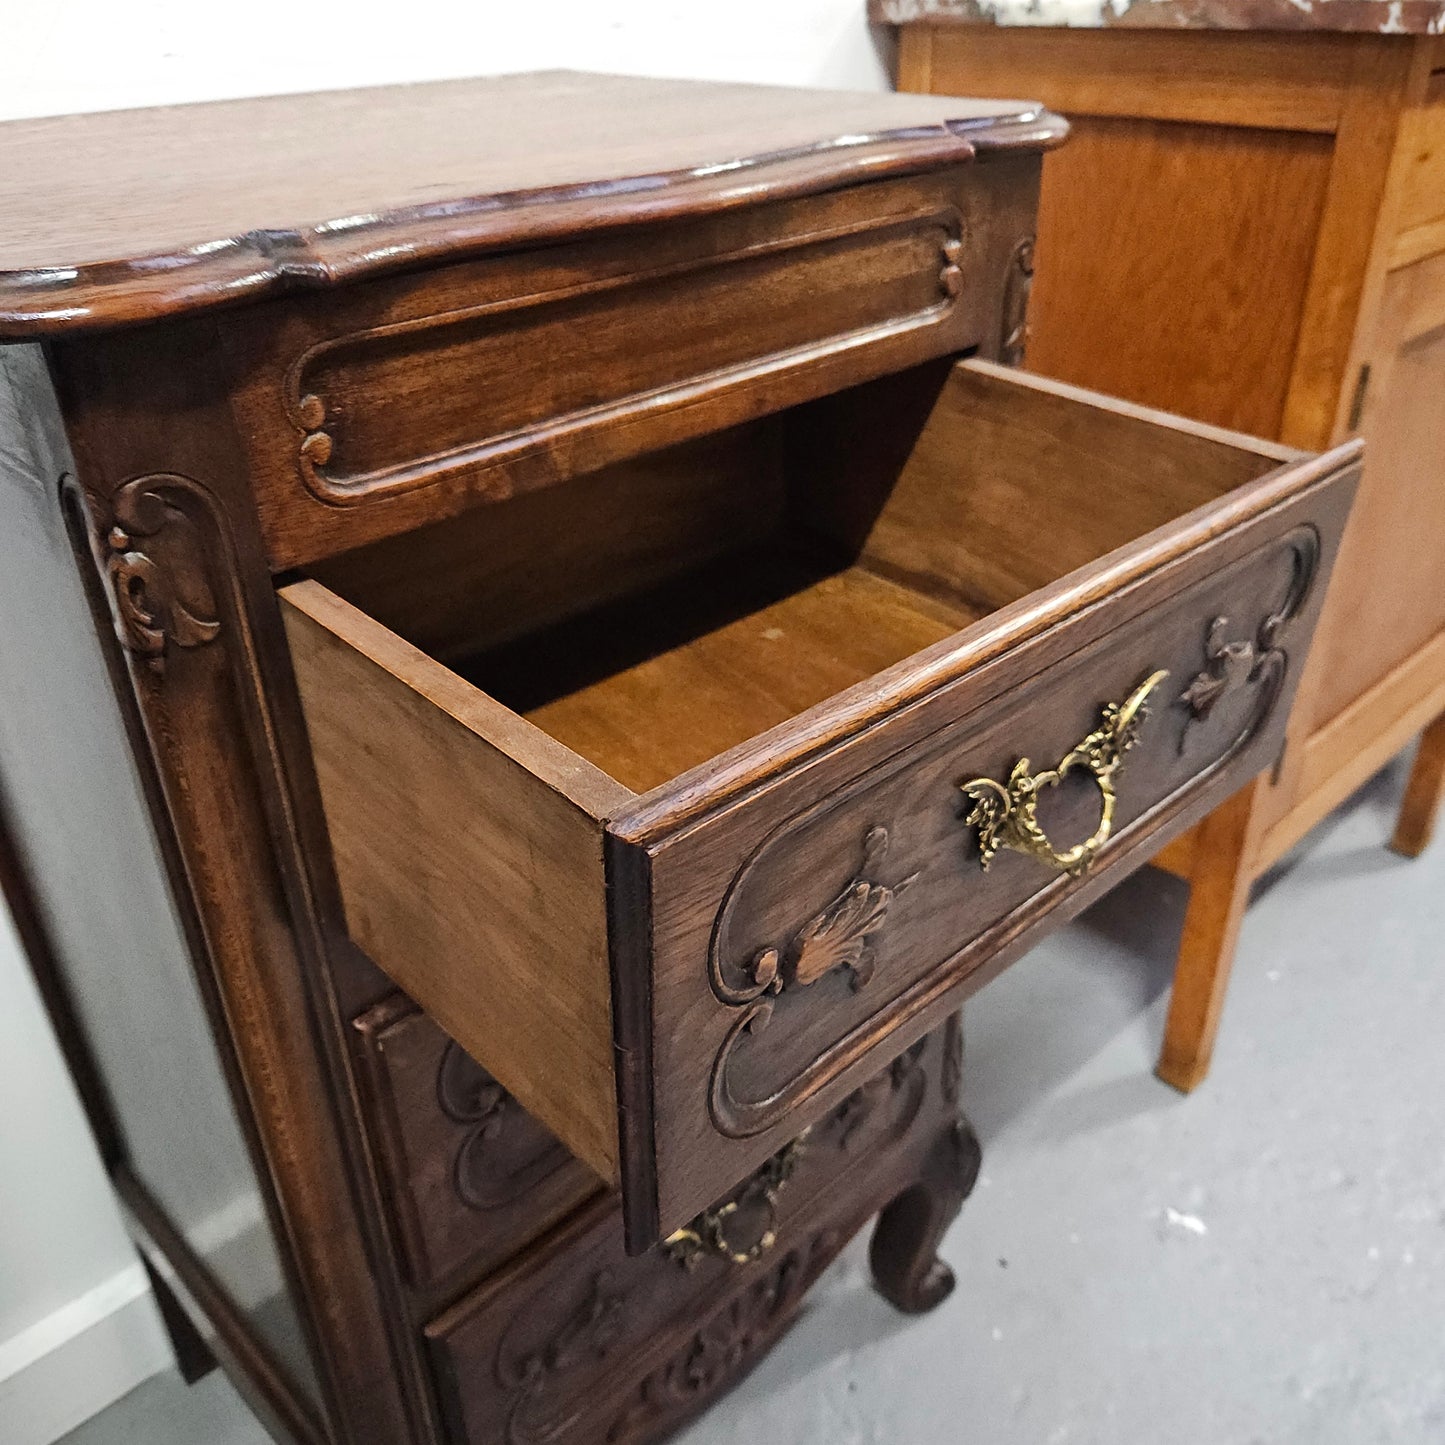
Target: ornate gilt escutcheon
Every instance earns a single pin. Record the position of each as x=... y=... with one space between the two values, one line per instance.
x=1006 y=814
x=711 y=1233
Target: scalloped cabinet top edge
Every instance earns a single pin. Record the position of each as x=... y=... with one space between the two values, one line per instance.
x=124 y=217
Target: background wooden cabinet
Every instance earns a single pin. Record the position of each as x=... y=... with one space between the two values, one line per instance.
x=1249 y=228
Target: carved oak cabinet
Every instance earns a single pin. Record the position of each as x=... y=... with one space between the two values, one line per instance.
x=543 y=656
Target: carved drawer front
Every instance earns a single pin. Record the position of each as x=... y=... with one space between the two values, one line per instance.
x=576 y=1343
x=399 y=402
x=741 y=838
x=471 y=1178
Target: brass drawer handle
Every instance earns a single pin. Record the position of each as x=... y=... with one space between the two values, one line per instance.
x=1006 y=815
x=708 y=1233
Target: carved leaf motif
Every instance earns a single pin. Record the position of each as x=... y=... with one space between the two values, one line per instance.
x=587 y=1333
x=839 y=935
x=1228 y=666
x=151 y=614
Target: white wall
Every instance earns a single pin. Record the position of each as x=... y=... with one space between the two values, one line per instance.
x=70 y=55
x=74 y=1327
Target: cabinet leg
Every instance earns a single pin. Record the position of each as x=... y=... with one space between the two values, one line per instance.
x=1218 y=894
x=904 y=1253
x=1423 y=793
x=193 y=1355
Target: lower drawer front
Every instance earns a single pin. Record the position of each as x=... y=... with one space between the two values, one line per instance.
x=469 y=1176
x=577 y=1343
x=676 y=981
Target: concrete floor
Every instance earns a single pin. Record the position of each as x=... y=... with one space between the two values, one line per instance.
x=1262 y=1262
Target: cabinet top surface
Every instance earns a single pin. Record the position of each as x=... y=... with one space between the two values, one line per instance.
x=128 y=216
x=1387 y=17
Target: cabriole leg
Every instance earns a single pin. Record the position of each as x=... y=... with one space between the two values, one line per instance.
x=904 y=1251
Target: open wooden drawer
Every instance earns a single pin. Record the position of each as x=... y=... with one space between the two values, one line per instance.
x=687 y=794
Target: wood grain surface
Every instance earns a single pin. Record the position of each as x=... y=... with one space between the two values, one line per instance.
x=128 y=215
x=426 y=784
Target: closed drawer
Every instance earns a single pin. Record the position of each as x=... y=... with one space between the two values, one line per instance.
x=576 y=1343
x=684 y=869
x=469 y=1176
x=401 y=401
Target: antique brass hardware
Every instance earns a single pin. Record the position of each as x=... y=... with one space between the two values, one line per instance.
x=1006 y=815
x=708 y=1233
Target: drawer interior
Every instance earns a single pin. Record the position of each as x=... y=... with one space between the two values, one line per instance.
x=651 y=616
x=488 y=697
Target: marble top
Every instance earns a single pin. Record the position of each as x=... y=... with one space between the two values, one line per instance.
x=1386 y=17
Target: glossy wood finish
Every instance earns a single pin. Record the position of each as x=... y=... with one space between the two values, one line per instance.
x=1009 y=490
x=595 y=353
x=1336 y=296
x=256 y=197
x=162 y=451
x=471 y=1178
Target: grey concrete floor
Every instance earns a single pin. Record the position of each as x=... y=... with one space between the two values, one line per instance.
x=1261 y=1262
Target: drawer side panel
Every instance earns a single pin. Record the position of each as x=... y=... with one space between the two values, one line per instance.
x=471 y=879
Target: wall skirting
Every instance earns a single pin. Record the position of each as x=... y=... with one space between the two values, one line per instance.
x=77 y=1360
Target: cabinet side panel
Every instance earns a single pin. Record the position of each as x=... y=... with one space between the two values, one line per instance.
x=1140 y=290
x=75 y=802
x=1388 y=600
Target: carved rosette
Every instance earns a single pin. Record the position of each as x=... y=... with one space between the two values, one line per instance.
x=502 y=1152
x=721 y=1349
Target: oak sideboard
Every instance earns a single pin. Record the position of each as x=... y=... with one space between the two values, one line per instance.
x=1248 y=227
x=545 y=649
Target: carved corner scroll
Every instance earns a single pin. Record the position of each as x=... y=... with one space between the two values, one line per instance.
x=493 y=1166
x=154 y=560
x=950 y=275
x=839 y=938
x=1260 y=663
x=1017 y=288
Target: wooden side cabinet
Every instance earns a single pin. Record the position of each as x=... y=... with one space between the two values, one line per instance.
x=1248 y=226
x=544 y=653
